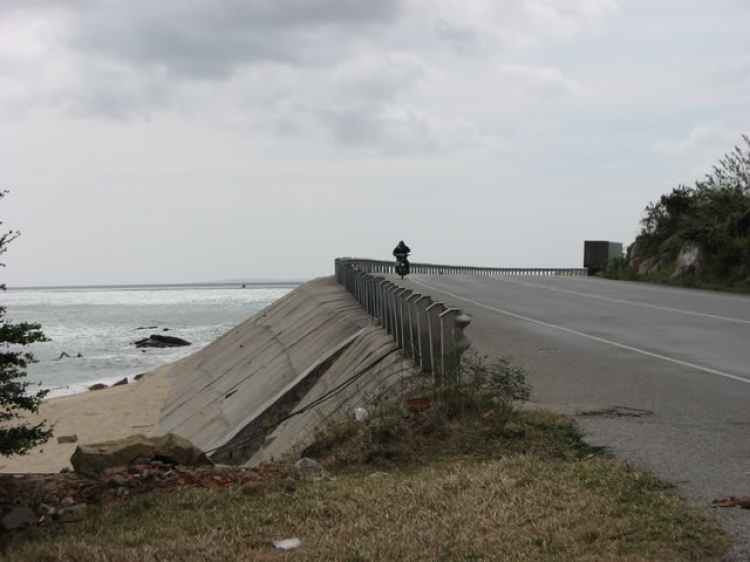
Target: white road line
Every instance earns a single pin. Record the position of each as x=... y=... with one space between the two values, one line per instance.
x=622 y=301
x=589 y=336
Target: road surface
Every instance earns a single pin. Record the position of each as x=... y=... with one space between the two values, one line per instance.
x=658 y=375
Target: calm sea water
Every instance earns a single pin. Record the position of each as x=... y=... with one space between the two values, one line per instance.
x=101 y=324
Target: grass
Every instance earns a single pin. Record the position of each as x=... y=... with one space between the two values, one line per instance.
x=688 y=281
x=462 y=486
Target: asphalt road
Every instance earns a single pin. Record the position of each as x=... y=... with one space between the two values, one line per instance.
x=660 y=376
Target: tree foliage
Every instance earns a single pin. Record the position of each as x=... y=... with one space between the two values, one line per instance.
x=715 y=214
x=15 y=399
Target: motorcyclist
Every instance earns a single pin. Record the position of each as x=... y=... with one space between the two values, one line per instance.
x=401 y=250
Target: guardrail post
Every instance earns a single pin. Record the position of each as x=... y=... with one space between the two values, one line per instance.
x=390 y=308
x=383 y=300
x=406 y=341
x=429 y=332
x=436 y=359
x=414 y=338
x=453 y=340
x=423 y=332
x=398 y=295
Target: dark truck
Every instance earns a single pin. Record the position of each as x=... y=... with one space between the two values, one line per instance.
x=598 y=252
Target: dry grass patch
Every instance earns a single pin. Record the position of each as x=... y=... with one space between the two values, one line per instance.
x=517 y=508
x=463 y=486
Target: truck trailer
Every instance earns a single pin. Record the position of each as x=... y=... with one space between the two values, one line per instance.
x=598 y=252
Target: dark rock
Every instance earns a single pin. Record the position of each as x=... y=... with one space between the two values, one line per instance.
x=121 y=382
x=62 y=355
x=147 y=328
x=67 y=438
x=18 y=518
x=98 y=386
x=139 y=376
x=170 y=448
x=157 y=340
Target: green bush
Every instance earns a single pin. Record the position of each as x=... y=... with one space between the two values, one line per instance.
x=17 y=437
x=475 y=405
x=715 y=214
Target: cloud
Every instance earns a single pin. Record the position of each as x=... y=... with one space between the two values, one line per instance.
x=363 y=75
x=490 y=26
x=541 y=83
x=709 y=138
x=693 y=155
x=202 y=39
x=32 y=72
x=401 y=130
x=117 y=59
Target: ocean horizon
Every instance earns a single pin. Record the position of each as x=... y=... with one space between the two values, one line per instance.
x=92 y=328
x=231 y=283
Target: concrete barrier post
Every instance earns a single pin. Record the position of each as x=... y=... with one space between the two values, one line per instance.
x=362 y=290
x=436 y=360
x=453 y=340
x=376 y=288
x=382 y=294
x=416 y=352
x=390 y=308
x=394 y=311
x=366 y=293
x=399 y=316
x=406 y=341
x=371 y=296
x=423 y=331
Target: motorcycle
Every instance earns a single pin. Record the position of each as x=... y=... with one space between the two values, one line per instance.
x=402 y=265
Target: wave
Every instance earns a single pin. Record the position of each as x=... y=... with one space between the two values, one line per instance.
x=79 y=387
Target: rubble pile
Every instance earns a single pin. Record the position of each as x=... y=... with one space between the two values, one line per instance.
x=28 y=499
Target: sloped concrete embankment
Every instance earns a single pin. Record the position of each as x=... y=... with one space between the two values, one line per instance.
x=311 y=355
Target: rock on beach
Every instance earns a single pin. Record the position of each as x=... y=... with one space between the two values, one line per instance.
x=158 y=340
x=170 y=448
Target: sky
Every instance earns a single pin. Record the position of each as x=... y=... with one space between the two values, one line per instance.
x=211 y=140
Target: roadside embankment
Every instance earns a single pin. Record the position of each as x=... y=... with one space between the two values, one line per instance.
x=311 y=354
x=315 y=352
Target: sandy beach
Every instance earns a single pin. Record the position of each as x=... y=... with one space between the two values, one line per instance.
x=94 y=416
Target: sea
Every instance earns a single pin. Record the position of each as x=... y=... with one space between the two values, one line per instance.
x=93 y=329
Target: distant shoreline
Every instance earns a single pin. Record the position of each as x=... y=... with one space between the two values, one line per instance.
x=253 y=284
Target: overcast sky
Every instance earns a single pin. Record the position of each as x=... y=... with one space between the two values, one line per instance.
x=203 y=140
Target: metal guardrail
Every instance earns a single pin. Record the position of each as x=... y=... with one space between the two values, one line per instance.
x=377 y=266
x=430 y=332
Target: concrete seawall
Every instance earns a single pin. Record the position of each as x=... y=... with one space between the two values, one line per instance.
x=311 y=355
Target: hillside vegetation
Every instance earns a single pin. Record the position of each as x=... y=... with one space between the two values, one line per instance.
x=699 y=235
